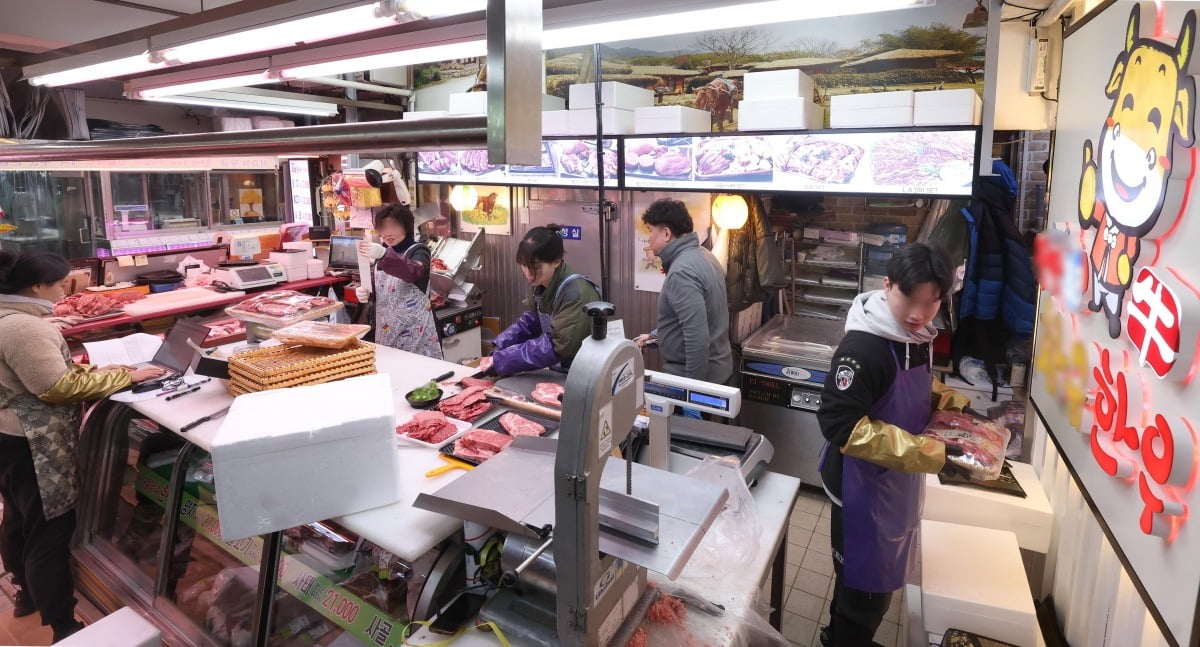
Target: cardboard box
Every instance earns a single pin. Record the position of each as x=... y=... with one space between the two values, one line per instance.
x=616 y=122
x=780 y=114
x=288 y=457
x=122 y=628
x=612 y=95
x=556 y=122
x=671 y=120
x=468 y=103
x=973 y=579
x=947 y=108
x=779 y=84
x=1031 y=519
x=872 y=110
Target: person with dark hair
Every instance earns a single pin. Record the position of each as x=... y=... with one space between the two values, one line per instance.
x=549 y=334
x=40 y=392
x=875 y=405
x=403 y=314
x=693 y=306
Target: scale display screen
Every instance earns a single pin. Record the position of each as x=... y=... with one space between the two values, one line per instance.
x=710 y=401
x=672 y=392
x=254 y=274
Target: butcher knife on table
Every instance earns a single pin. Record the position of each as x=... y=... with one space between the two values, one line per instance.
x=516 y=401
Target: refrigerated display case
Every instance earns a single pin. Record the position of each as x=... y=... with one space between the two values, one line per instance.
x=49 y=210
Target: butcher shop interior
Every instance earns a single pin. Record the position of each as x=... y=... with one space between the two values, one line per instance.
x=754 y=323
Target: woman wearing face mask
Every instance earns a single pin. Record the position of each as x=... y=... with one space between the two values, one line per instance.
x=403 y=315
x=40 y=392
x=549 y=334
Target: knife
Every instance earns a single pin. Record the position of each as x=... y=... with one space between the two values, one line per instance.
x=199 y=421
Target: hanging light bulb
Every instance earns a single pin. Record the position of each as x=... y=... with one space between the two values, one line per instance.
x=463 y=198
x=730 y=211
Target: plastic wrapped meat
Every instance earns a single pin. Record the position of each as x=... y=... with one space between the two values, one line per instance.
x=983 y=442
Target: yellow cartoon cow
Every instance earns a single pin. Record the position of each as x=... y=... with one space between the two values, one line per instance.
x=1124 y=182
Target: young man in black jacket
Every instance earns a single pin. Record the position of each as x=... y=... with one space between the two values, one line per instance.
x=876 y=402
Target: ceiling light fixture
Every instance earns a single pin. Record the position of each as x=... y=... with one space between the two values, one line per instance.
x=251 y=103
x=417 y=56
x=120 y=60
x=240 y=81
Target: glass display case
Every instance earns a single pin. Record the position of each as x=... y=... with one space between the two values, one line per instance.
x=45 y=211
x=137 y=204
x=245 y=198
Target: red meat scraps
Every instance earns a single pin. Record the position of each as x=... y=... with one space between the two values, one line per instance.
x=638 y=639
x=667 y=610
x=520 y=426
x=428 y=427
x=91 y=304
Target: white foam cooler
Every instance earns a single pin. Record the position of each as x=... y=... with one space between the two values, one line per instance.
x=122 y=628
x=780 y=114
x=556 y=122
x=418 y=115
x=973 y=579
x=582 y=96
x=947 y=108
x=670 y=120
x=468 y=103
x=616 y=122
x=294 y=456
x=779 y=84
x=872 y=110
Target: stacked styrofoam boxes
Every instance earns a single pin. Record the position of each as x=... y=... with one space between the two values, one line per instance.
x=780 y=100
x=267 y=123
x=619 y=100
x=1031 y=518
x=231 y=124
x=873 y=110
x=659 y=120
x=947 y=108
x=475 y=103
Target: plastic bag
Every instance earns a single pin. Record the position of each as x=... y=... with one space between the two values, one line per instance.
x=731 y=544
x=983 y=442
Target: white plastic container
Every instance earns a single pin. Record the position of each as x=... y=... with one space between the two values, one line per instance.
x=612 y=95
x=556 y=122
x=326 y=562
x=316 y=268
x=468 y=103
x=418 y=115
x=779 y=84
x=670 y=120
x=873 y=110
x=780 y=114
x=616 y=122
x=947 y=108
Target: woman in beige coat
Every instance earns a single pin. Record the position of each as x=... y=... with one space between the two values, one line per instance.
x=40 y=392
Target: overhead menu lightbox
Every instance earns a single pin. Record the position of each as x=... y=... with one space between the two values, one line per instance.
x=565 y=162
x=927 y=162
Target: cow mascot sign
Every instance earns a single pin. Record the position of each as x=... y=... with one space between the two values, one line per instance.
x=1126 y=174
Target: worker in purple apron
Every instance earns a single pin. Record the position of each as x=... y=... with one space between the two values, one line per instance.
x=876 y=403
x=550 y=332
x=403 y=315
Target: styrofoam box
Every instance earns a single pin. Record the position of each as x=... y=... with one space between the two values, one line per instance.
x=468 y=103
x=612 y=94
x=1031 y=519
x=780 y=114
x=231 y=124
x=418 y=115
x=671 y=119
x=616 y=122
x=973 y=579
x=556 y=122
x=947 y=108
x=981 y=395
x=265 y=123
x=551 y=102
x=288 y=457
x=899 y=98
x=895 y=116
x=122 y=628
x=779 y=84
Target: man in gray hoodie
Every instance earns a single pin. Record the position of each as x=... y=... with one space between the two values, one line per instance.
x=693 y=308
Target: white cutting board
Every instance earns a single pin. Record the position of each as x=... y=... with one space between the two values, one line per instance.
x=183 y=298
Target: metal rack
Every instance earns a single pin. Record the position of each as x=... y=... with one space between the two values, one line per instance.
x=823 y=284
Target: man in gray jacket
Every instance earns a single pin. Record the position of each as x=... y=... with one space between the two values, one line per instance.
x=693 y=309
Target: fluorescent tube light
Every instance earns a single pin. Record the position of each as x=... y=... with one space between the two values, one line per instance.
x=106 y=70
x=239 y=81
x=442 y=8
x=433 y=54
x=251 y=103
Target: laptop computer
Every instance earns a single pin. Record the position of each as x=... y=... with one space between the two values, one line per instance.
x=177 y=354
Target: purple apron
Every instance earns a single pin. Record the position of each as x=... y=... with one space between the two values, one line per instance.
x=881 y=508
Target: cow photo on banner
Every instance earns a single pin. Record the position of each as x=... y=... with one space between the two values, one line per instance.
x=1119 y=315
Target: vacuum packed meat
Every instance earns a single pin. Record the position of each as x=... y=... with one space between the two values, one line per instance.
x=282 y=303
x=520 y=426
x=547 y=393
x=468 y=405
x=428 y=427
x=480 y=444
x=983 y=442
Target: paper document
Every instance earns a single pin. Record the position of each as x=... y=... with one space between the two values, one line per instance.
x=132 y=350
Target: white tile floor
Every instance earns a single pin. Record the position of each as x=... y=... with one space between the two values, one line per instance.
x=808 y=579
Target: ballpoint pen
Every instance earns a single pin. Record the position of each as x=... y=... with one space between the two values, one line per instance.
x=180 y=394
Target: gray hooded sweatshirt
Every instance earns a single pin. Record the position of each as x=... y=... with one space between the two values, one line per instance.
x=870 y=314
x=693 y=313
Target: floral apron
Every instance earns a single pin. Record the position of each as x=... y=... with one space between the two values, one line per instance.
x=404 y=318
x=51 y=430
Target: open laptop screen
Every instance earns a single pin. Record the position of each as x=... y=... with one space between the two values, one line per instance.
x=175 y=353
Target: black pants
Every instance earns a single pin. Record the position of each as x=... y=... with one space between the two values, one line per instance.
x=36 y=550
x=854 y=615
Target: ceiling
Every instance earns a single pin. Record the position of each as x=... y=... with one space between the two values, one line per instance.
x=25 y=27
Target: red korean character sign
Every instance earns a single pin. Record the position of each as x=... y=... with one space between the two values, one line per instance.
x=1161 y=324
x=1168 y=457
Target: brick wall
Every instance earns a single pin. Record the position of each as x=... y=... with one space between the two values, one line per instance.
x=855 y=214
x=1031 y=178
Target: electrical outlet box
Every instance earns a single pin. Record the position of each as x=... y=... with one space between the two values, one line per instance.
x=1035 y=75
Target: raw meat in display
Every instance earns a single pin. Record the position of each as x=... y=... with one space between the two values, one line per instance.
x=921 y=159
x=481 y=444
x=428 y=427
x=547 y=393
x=91 y=304
x=282 y=303
x=519 y=426
x=982 y=442
x=821 y=159
x=438 y=162
x=468 y=405
x=474 y=381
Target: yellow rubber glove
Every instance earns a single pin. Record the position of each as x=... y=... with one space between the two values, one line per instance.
x=894 y=448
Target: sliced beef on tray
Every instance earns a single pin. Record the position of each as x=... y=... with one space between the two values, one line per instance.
x=520 y=426
x=474 y=381
x=468 y=405
x=428 y=427
x=481 y=444
x=547 y=393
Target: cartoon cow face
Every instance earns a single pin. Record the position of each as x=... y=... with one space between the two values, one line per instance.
x=1151 y=112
